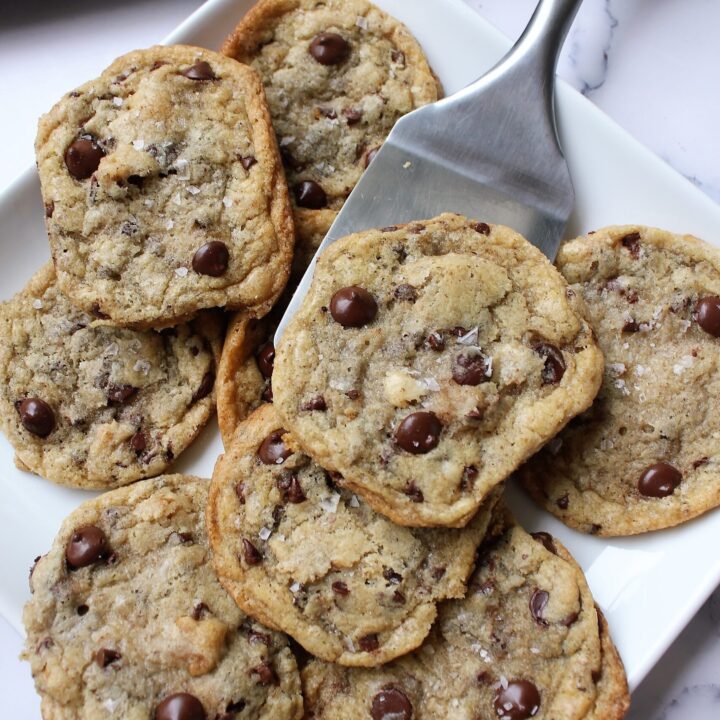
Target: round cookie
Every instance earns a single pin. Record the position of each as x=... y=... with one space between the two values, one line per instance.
x=429 y=360
x=646 y=455
x=337 y=74
x=164 y=191
x=526 y=642
x=126 y=613
x=93 y=406
x=313 y=560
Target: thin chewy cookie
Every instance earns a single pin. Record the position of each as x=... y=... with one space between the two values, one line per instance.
x=337 y=74
x=89 y=405
x=164 y=191
x=526 y=642
x=647 y=453
x=429 y=360
x=127 y=619
x=311 y=559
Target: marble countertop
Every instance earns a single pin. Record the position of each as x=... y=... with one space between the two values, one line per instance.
x=651 y=66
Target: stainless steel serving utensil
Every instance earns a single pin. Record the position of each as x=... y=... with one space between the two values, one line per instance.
x=490 y=152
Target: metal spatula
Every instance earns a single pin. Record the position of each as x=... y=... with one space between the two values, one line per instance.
x=490 y=152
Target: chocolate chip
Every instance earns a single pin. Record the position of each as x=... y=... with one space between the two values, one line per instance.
x=630 y=326
x=352 y=115
x=87 y=545
x=329 y=48
x=248 y=161
x=119 y=393
x=631 y=242
x=391 y=704
x=406 y=293
x=211 y=259
x=563 y=502
x=398 y=597
x=201 y=70
x=470 y=472
x=340 y=588
x=398 y=56
x=659 y=480
x=199 y=610
x=419 y=432
x=105 y=656
x=309 y=194
x=138 y=442
x=83 y=157
x=267 y=394
x=49 y=209
x=546 y=540
x=414 y=492
x=482 y=228
x=538 y=601
x=700 y=462
x=236 y=706
x=352 y=394
x=369 y=643
x=180 y=706
x=205 y=387
x=519 y=700
x=251 y=553
x=82 y=610
x=707 y=314
x=438 y=572
x=370 y=155
x=272 y=450
x=315 y=403
x=266 y=674
x=240 y=492
x=554 y=368
x=436 y=341
x=36 y=416
x=471 y=369
x=265 y=359
x=353 y=306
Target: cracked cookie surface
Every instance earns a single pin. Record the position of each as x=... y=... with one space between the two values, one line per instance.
x=428 y=361
x=526 y=641
x=312 y=559
x=89 y=405
x=126 y=612
x=646 y=455
x=164 y=191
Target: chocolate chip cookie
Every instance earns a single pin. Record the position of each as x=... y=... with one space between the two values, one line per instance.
x=526 y=642
x=308 y=557
x=337 y=74
x=127 y=618
x=429 y=360
x=646 y=455
x=89 y=405
x=164 y=191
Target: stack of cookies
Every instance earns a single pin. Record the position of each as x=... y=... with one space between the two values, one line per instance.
x=352 y=556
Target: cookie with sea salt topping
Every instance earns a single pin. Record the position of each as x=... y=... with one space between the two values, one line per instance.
x=89 y=405
x=338 y=74
x=646 y=455
x=164 y=191
x=526 y=642
x=428 y=361
x=310 y=558
x=127 y=619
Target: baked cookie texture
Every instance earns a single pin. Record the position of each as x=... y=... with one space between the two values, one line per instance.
x=337 y=74
x=126 y=611
x=307 y=557
x=645 y=455
x=526 y=641
x=164 y=191
x=93 y=406
x=429 y=360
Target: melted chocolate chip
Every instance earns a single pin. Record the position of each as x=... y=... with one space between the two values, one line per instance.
x=240 y=492
x=49 y=209
x=205 y=387
x=419 y=432
x=199 y=611
x=414 y=492
x=471 y=369
x=180 y=706
x=83 y=157
x=353 y=306
x=352 y=394
x=340 y=588
x=295 y=492
x=265 y=359
x=391 y=704
x=547 y=541
x=554 y=368
x=482 y=228
x=211 y=259
x=138 y=442
x=370 y=155
x=570 y=619
x=369 y=643
x=314 y=403
x=201 y=70
x=352 y=115
x=272 y=450
x=119 y=393
x=309 y=194
x=630 y=326
x=398 y=56
x=406 y=293
x=251 y=553
x=82 y=610
x=36 y=416
x=436 y=341
x=659 y=480
x=329 y=48
x=87 y=545
x=707 y=314
x=519 y=700
x=470 y=472
x=538 y=601
x=394 y=578
x=105 y=656
x=563 y=502
x=631 y=242
x=398 y=597
x=265 y=673
x=248 y=161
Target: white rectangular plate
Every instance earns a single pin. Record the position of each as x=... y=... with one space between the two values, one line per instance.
x=648 y=586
